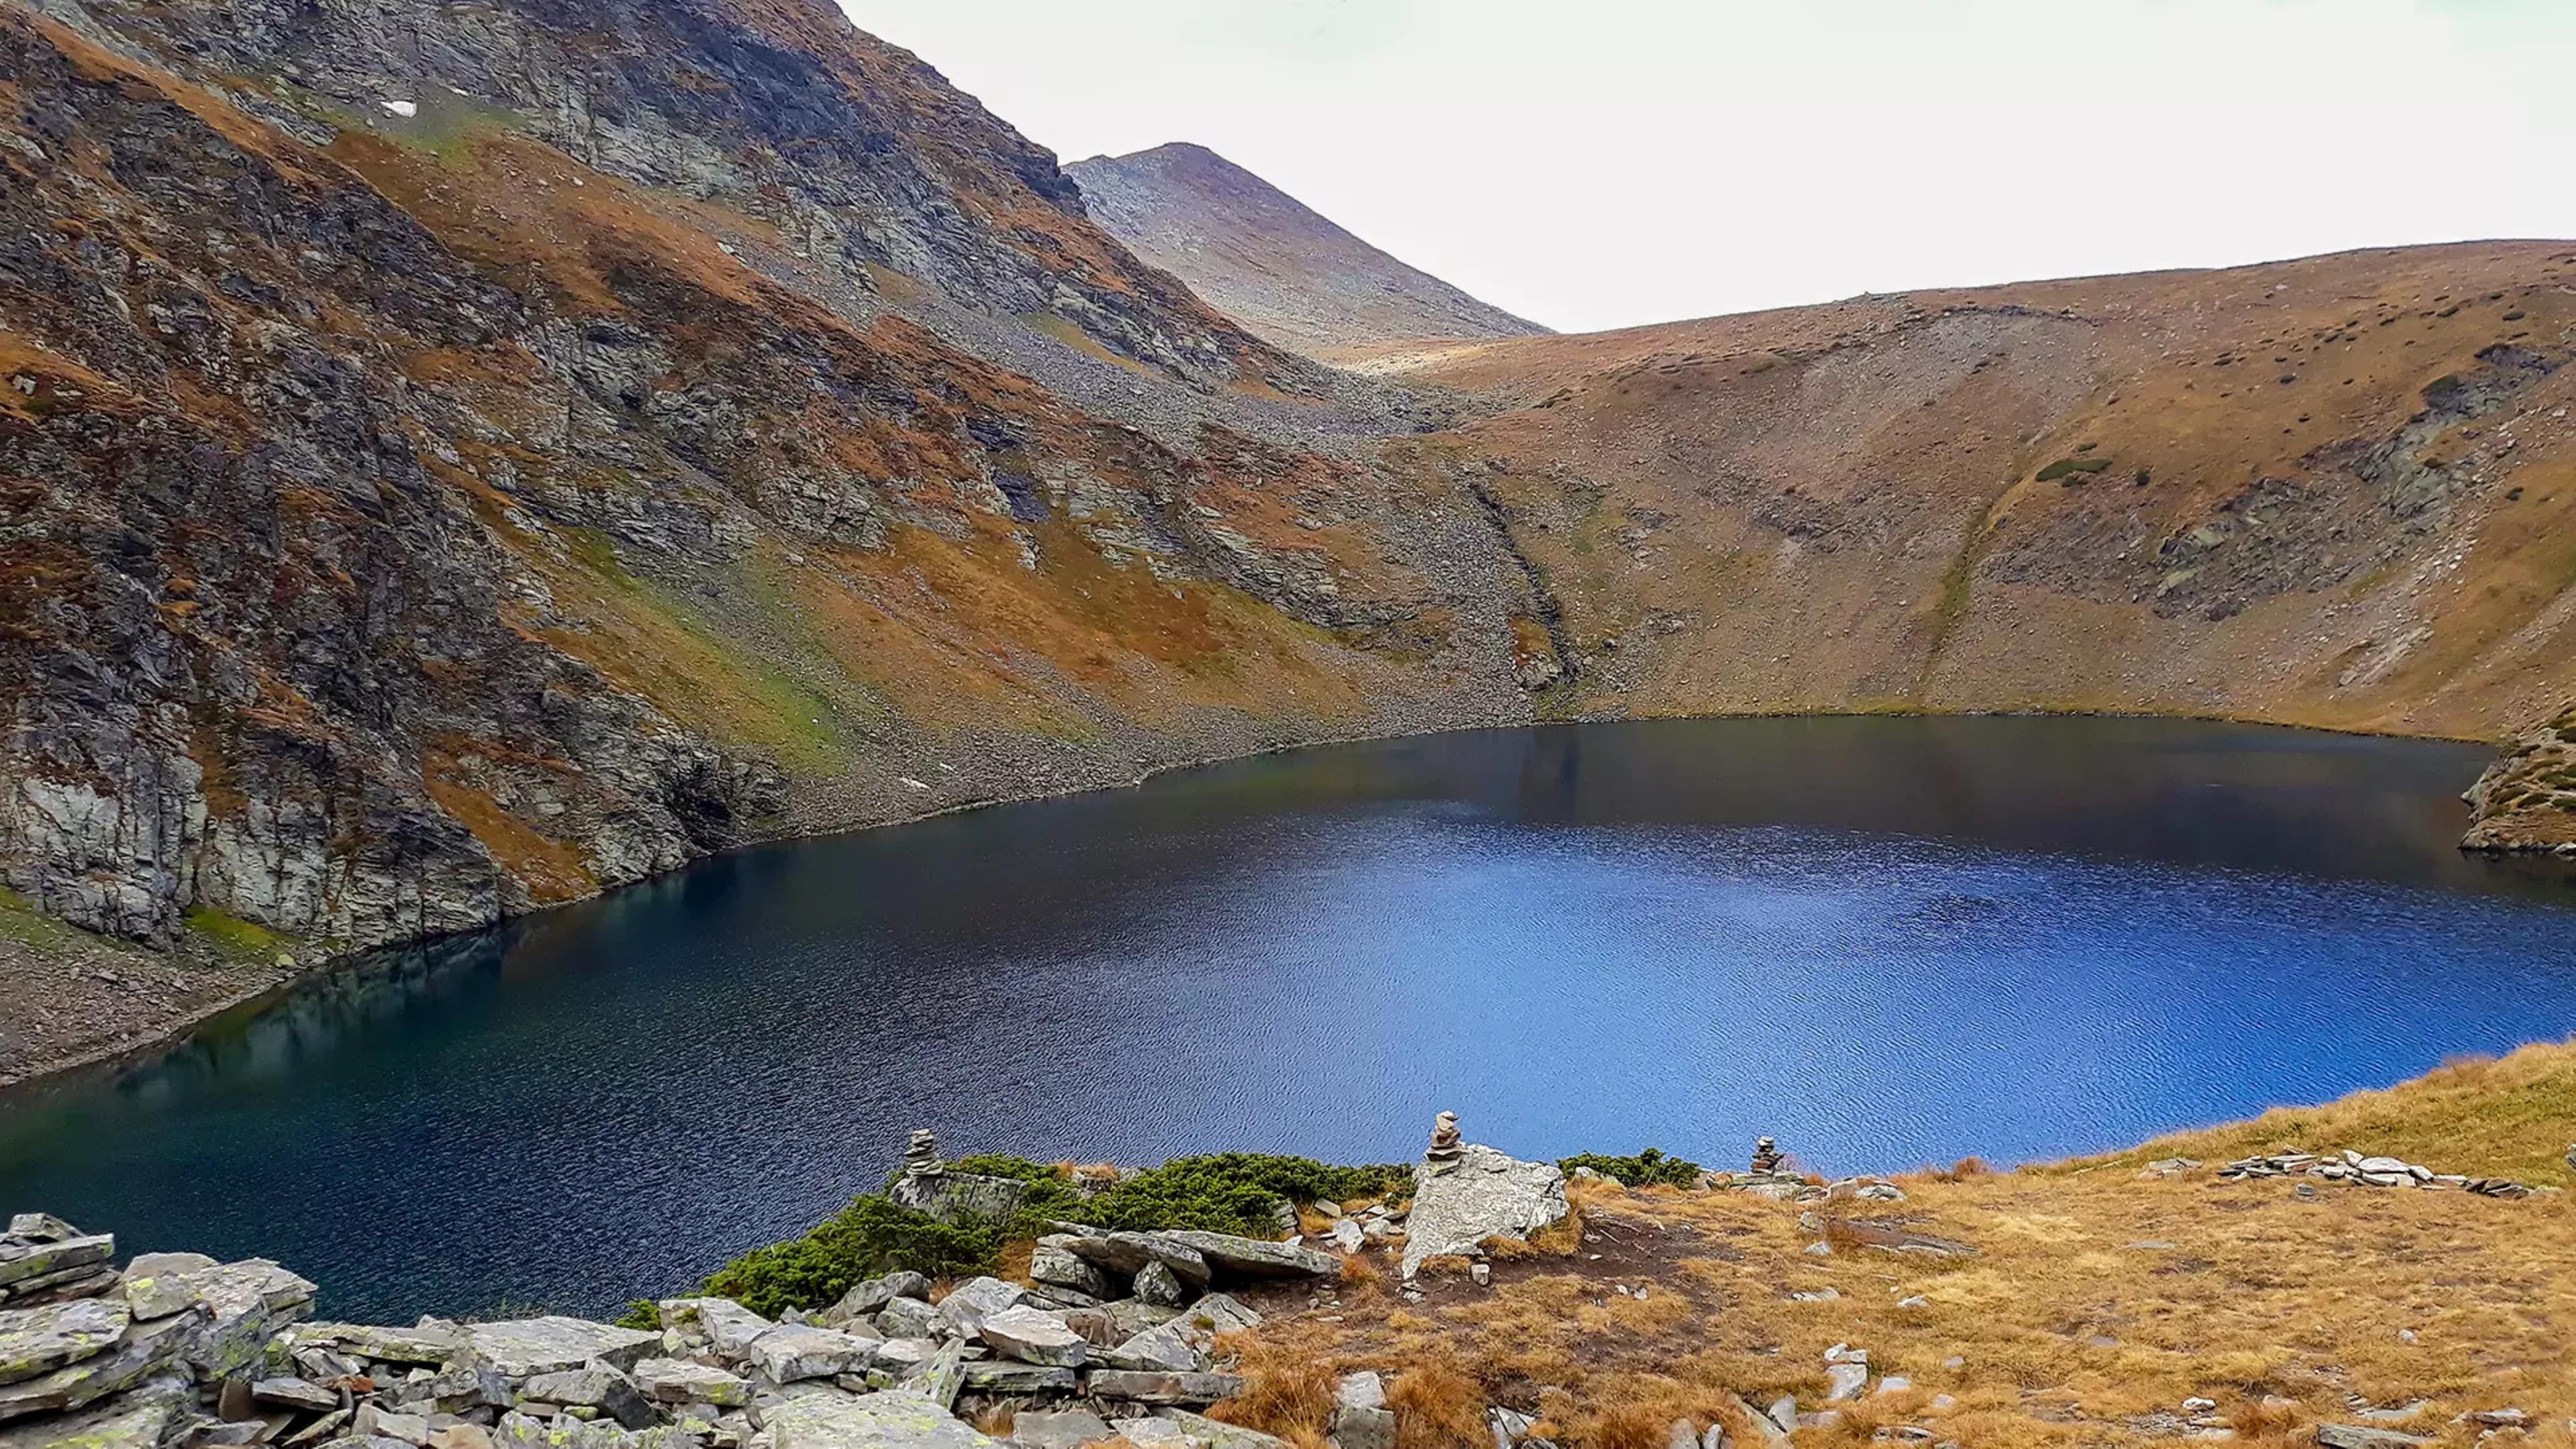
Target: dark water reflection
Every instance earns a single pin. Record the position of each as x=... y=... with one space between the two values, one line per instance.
x=1888 y=941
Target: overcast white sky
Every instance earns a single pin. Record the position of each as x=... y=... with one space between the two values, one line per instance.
x=1625 y=161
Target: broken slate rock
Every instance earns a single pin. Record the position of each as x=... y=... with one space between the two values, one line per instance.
x=35 y=1341
x=1063 y=1429
x=969 y=1302
x=679 y=1381
x=727 y=1326
x=888 y=1419
x=524 y=1346
x=1032 y=1335
x=792 y=1352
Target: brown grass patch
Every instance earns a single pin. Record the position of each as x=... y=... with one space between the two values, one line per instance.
x=1437 y=1407
x=1284 y=1393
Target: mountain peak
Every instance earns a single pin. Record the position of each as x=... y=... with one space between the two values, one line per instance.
x=1286 y=272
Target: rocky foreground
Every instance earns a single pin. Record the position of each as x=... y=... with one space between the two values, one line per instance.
x=1148 y=1338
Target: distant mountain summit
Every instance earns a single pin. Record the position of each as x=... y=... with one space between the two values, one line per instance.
x=1271 y=262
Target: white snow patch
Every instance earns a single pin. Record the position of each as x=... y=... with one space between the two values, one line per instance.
x=404 y=109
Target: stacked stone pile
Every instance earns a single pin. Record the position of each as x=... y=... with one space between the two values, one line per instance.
x=2353 y=1168
x=177 y=1351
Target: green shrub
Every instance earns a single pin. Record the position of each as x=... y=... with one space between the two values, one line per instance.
x=1228 y=1192
x=1650 y=1168
x=872 y=1235
x=2066 y=466
x=641 y=1313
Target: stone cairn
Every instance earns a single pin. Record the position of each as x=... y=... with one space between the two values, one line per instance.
x=1445 y=1148
x=921 y=1155
x=1766 y=1156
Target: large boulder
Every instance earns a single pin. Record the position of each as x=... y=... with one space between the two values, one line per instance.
x=888 y=1419
x=681 y=1381
x=1230 y=1257
x=524 y=1346
x=971 y=1302
x=960 y=1197
x=597 y=1387
x=1063 y=1429
x=1148 y=1386
x=1032 y=1335
x=1054 y=1264
x=866 y=1298
x=429 y=1343
x=1485 y=1194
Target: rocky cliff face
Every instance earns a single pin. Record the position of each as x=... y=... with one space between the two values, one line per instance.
x=411 y=520
x=2526 y=801
x=1271 y=262
x=460 y=458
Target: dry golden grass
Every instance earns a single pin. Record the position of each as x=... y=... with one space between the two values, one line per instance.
x=2096 y=1304
x=1437 y=1407
x=1285 y=1394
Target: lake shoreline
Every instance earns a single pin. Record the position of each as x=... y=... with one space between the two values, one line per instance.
x=146 y=1037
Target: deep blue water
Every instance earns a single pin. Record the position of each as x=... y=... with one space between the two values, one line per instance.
x=1885 y=941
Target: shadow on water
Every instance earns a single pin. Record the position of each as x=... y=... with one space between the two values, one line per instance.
x=1889 y=941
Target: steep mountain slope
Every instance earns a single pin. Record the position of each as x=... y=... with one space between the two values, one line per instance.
x=1265 y=259
x=2339 y=492
x=455 y=459
x=409 y=522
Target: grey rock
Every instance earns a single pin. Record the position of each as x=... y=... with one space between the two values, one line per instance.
x=36 y=1341
x=246 y=1303
x=1124 y=1255
x=1062 y=1268
x=1144 y=1386
x=679 y=1381
x=1131 y=1316
x=2366 y=1436
x=1844 y=1381
x=146 y=1351
x=455 y=1390
x=137 y=1420
x=909 y=1318
x=46 y=1228
x=1369 y=1426
x=598 y=1387
x=1157 y=1284
x=1169 y=1346
x=156 y=1284
x=24 y=1261
x=525 y=1346
x=868 y=1297
x=727 y=1326
x=374 y=1421
x=1219 y=1435
x=969 y=1302
x=960 y=1197
x=1061 y=1429
x=994 y=1376
x=425 y=1344
x=791 y=1352
x=1484 y=1194
x=1152 y=1433
x=295 y=1393
x=1032 y=1335
x=1681 y=1434
x=887 y=1419
x=1231 y=1257
x=939 y=1376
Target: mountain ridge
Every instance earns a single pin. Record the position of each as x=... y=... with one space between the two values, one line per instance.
x=1271 y=262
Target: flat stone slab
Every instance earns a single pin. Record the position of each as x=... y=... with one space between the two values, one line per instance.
x=678 y=1381
x=1204 y=1430
x=129 y=1421
x=426 y=1344
x=1063 y=1429
x=1149 y=1387
x=791 y=1352
x=1033 y=1335
x=1486 y=1194
x=2365 y=1436
x=35 y=1341
x=887 y=1419
x=1229 y=1256
x=525 y=1346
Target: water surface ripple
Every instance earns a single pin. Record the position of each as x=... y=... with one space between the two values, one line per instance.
x=1886 y=941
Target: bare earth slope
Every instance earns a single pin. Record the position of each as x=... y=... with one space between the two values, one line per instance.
x=1264 y=258
x=2336 y=492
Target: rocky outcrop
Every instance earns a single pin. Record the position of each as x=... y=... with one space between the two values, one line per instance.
x=1475 y=1195
x=453 y=466
x=2526 y=800
x=180 y=1351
